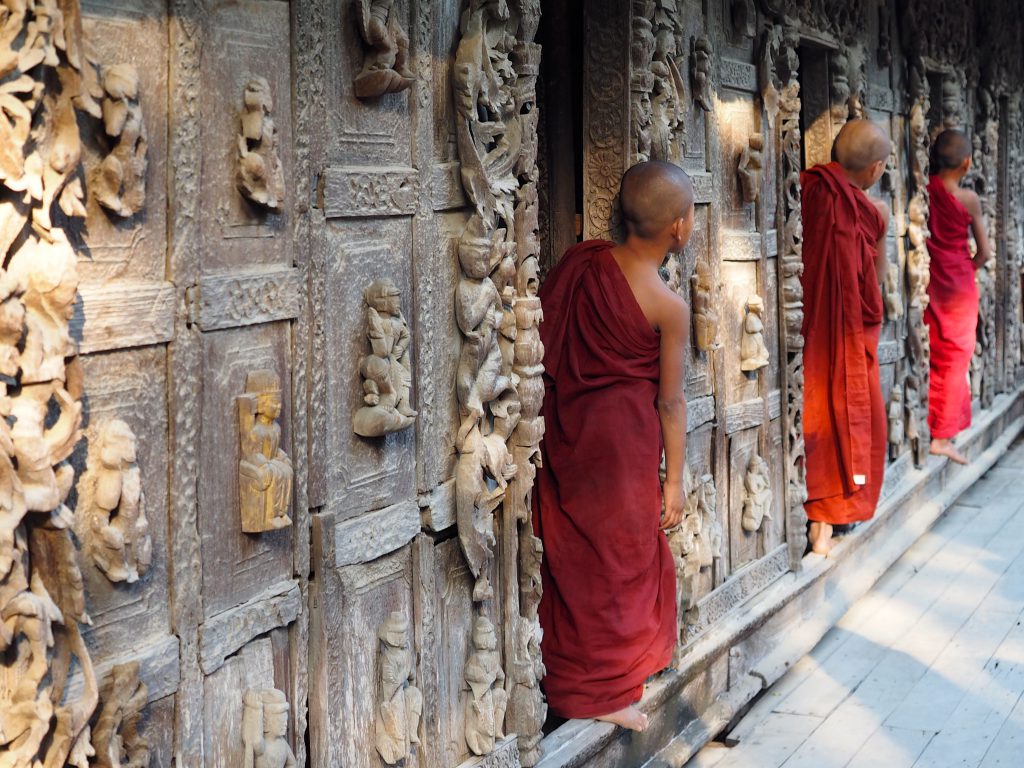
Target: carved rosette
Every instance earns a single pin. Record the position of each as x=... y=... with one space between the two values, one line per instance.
x=42 y=600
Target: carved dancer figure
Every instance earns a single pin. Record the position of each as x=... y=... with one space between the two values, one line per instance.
x=844 y=412
x=116 y=739
x=264 y=470
x=753 y=351
x=892 y=296
x=486 y=699
x=705 y=316
x=953 y=301
x=386 y=63
x=399 y=702
x=751 y=168
x=757 y=495
x=111 y=519
x=387 y=370
x=896 y=423
x=608 y=572
x=265 y=730
x=259 y=177
x=121 y=179
x=701 y=54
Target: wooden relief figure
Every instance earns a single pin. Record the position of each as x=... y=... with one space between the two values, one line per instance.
x=264 y=470
x=486 y=698
x=751 y=168
x=912 y=408
x=744 y=18
x=265 y=730
x=984 y=378
x=386 y=62
x=701 y=54
x=892 y=294
x=111 y=516
x=259 y=176
x=116 y=738
x=120 y=184
x=705 y=317
x=757 y=495
x=666 y=97
x=839 y=88
x=696 y=543
x=399 y=701
x=386 y=371
x=896 y=423
x=753 y=352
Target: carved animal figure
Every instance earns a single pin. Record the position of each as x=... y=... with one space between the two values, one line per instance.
x=757 y=497
x=120 y=184
x=399 y=702
x=259 y=176
x=386 y=63
x=753 y=352
x=264 y=470
x=264 y=730
x=486 y=699
x=111 y=519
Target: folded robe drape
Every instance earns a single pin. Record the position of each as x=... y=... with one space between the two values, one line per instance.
x=844 y=415
x=609 y=606
x=952 y=313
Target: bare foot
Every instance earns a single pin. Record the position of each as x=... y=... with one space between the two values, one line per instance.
x=628 y=717
x=944 y=447
x=820 y=537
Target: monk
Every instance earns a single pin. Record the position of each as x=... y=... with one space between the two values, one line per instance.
x=615 y=338
x=952 y=314
x=844 y=264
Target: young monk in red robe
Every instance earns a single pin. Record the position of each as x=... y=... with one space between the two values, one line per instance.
x=844 y=263
x=615 y=339
x=952 y=313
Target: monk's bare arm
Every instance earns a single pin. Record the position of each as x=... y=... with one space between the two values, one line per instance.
x=881 y=257
x=972 y=203
x=674 y=322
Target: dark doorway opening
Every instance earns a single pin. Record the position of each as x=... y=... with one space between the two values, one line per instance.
x=815 y=119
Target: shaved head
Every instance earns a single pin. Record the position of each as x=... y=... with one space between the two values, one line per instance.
x=860 y=144
x=950 y=149
x=653 y=195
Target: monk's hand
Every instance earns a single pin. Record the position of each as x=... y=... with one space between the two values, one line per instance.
x=672 y=493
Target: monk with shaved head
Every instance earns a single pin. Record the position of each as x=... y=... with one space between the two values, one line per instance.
x=952 y=314
x=844 y=263
x=615 y=339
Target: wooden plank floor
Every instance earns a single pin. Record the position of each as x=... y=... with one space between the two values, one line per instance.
x=926 y=671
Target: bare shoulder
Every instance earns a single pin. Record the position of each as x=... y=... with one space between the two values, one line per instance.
x=673 y=311
x=969 y=199
x=881 y=206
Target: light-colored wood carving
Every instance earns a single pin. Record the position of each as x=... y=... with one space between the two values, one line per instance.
x=757 y=495
x=486 y=698
x=386 y=60
x=897 y=431
x=705 y=316
x=110 y=518
x=116 y=736
x=751 y=168
x=701 y=54
x=120 y=183
x=892 y=295
x=387 y=370
x=264 y=470
x=753 y=351
x=259 y=175
x=265 y=730
x=399 y=701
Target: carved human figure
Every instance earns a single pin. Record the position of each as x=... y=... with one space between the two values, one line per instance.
x=386 y=61
x=707 y=501
x=42 y=443
x=116 y=738
x=264 y=470
x=896 y=423
x=387 y=370
x=120 y=184
x=265 y=730
x=705 y=316
x=700 y=72
x=751 y=168
x=486 y=698
x=259 y=175
x=666 y=98
x=744 y=18
x=399 y=701
x=753 y=352
x=12 y=325
x=757 y=494
x=892 y=295
x=111 y=518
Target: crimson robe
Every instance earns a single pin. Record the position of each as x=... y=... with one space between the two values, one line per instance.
x=609 y=605
x=952 y=313
x=844 y=414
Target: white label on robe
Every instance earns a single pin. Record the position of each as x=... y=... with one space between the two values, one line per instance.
x=860 y=479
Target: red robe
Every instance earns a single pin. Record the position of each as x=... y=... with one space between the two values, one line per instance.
x=952 y=313
x=609 y=605
x=844 y=414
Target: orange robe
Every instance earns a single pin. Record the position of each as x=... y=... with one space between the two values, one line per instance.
x=952 y=313
x=609 y=605
x=844 y=414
